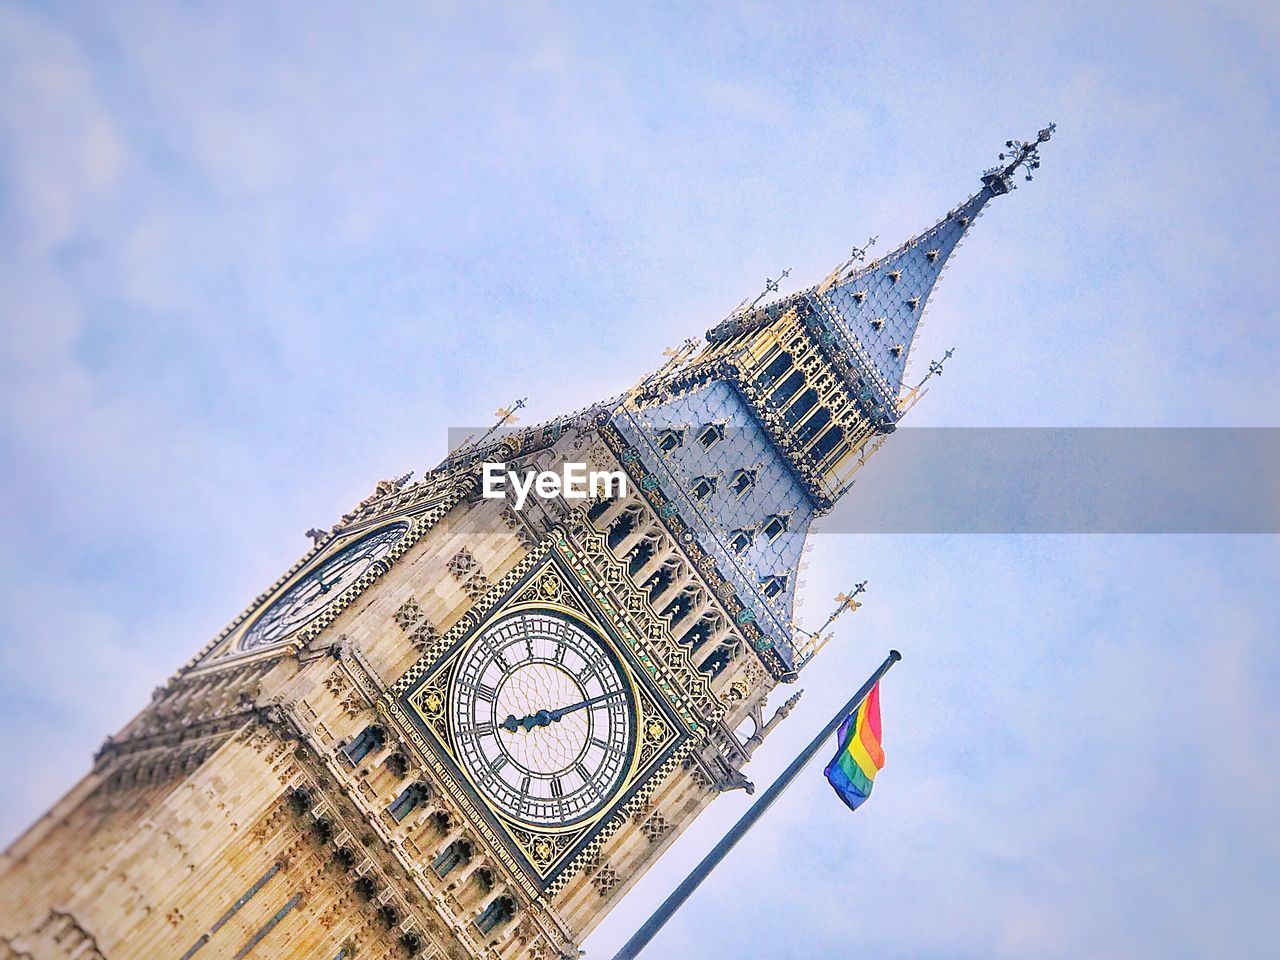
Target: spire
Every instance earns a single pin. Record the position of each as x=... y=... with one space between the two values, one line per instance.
x=874 y=310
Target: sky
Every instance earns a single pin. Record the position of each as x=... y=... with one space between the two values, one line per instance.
x=256 y=258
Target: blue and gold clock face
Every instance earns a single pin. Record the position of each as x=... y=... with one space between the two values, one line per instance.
x=318 y=586
x=542 y=718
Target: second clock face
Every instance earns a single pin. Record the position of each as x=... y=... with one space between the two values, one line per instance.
x=542 y=716
x=318 y=586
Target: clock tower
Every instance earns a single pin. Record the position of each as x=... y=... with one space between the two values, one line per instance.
x=458 y=729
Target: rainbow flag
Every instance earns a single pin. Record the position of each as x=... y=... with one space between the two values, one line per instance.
x=852 y=772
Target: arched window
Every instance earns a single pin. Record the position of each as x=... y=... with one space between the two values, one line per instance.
x=410 y=798
x=498 y=912
x=682 y=604
x=622 y=526
x=370 y=739
x=452 y=857
x=662 y=578
x=719 y=659
x=640 y=554
x=440 y=822
x=397 y=763
x=597 y=508
x=701 y=631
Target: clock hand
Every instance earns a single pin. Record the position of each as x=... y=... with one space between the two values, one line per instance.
x=557 y=714
x=544 y=718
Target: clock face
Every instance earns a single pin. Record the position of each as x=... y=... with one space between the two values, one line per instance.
x=543 y=718
x=319 y=586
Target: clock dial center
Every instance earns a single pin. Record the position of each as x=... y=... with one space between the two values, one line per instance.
x=545 y=744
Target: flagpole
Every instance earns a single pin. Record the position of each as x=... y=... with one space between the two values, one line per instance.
x=641 y=939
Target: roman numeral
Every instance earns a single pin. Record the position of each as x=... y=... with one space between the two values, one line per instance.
x=485 y=691
x=589 y=786
x=557 y=789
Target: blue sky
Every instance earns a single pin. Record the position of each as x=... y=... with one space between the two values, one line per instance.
x=256 y=260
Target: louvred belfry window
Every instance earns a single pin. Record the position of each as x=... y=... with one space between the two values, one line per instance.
x=802 y=406
x=827 y=442
x=813 y=426
x=788 y=389
x=774 y=372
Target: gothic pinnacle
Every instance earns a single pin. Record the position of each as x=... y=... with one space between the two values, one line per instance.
x=504 y=415
x=844 y=602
